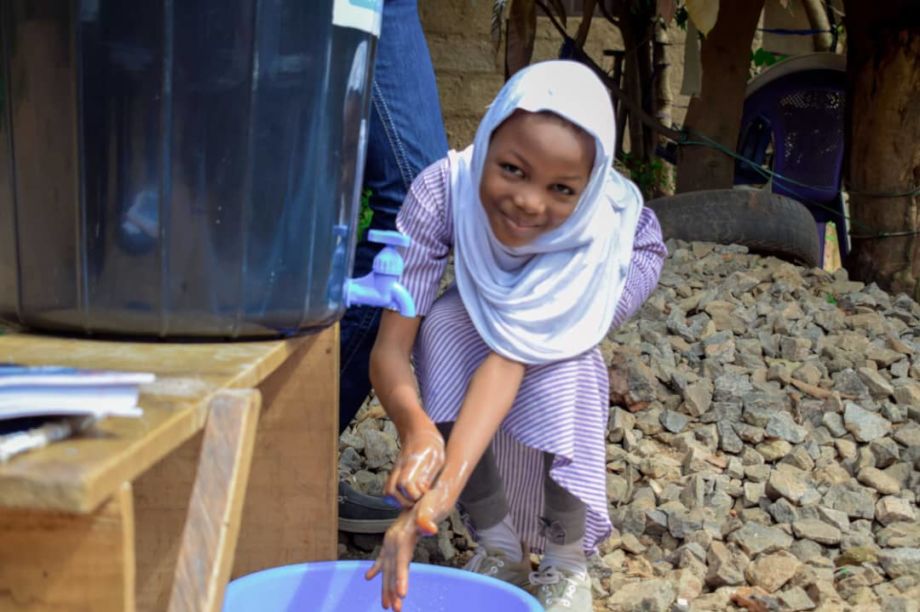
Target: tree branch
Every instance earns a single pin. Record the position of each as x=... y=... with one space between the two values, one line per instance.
x=631 y=105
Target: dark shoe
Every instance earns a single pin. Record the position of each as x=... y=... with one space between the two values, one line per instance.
x=360 y=513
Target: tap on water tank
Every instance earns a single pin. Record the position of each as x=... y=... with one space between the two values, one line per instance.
x=381 y=286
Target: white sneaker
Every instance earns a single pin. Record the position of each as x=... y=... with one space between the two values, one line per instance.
x=559 y=590
x=497 y=565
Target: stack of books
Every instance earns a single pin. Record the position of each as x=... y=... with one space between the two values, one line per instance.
x=40 y=404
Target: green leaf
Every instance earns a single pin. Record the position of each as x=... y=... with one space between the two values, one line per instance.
x=762 y=58
x=365 y=214
x=681 y=18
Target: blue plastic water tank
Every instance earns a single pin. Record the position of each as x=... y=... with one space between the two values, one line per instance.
x=181 y=168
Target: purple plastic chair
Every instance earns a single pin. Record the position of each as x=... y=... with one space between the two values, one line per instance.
x=797 y=106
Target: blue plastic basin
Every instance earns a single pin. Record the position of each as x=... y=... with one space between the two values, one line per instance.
x=340 y=586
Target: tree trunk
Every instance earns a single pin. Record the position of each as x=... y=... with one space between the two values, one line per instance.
x=663 y=100
x=716 y=112
x=635 y=27
x=817 y=17
x=883 y=65
x=662 y=84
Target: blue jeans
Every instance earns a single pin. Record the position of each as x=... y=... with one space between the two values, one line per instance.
x=406 y=135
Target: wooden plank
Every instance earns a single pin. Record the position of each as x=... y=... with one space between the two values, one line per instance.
x=162 y=496
x=209 y=538
x=161 y=502
x=76 y=562
x=290 y=513
x=79 y=474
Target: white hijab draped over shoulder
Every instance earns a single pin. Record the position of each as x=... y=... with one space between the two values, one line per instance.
x=555 y=297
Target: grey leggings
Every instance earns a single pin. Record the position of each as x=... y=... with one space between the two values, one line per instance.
x=484 y=499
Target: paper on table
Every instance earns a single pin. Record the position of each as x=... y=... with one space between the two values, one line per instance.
x=17 y=375
x=27 y=391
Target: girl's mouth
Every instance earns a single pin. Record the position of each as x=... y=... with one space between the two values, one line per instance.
x=518 y=226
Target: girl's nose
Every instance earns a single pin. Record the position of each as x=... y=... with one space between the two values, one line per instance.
x=528 y=201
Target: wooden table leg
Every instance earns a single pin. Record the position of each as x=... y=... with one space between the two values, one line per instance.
x=209 y=538
x=161 y=499
x=290 y=513
x=74 y=562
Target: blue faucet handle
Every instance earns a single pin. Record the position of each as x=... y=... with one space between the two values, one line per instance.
x=381 y=287
x=389 y=237
x=389 y=262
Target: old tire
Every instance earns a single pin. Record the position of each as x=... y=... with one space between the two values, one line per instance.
x=766 y=223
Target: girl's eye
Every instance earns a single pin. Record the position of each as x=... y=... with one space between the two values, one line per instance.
x=563 y=189
x=512 y=169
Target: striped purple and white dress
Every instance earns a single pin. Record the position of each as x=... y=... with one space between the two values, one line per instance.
x=561 y=407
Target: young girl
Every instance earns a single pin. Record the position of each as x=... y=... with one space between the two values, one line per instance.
x=551 y=247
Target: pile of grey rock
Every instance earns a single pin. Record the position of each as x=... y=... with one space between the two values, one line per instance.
x=763 y=444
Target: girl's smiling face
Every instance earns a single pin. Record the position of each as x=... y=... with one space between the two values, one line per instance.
x=535 y=170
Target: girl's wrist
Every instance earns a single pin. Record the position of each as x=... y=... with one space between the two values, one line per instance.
x=436 y=505
x=452 y=480
x=400 y=411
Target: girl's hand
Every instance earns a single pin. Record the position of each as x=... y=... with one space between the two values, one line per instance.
x=393 y=560
x=421 y=457
x=436 y=504
x=400 y=540
x=432 y=509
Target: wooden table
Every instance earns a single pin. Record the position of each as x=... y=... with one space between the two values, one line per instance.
x=144 y=513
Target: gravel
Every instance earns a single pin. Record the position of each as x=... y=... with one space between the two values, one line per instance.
x=763 y=444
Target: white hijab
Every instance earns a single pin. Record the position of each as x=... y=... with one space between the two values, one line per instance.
x=554 y=298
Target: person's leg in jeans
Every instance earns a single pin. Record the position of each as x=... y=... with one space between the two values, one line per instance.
x=406 y=134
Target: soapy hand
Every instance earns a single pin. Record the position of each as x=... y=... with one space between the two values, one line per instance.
x=435 y=505
x=394 y=558
x=421 y=457
x=400 y=540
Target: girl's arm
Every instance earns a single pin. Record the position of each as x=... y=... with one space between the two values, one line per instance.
x=421 y=445
x=488 y=400
x=645 y=265
x=391 y=370
x=425 y=219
